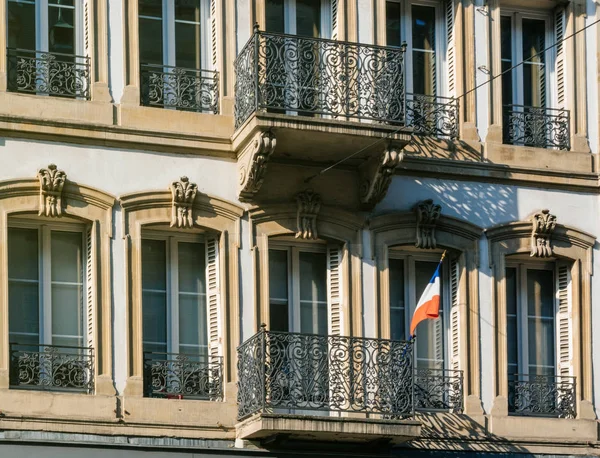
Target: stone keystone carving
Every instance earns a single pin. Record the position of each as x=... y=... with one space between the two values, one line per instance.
x=428 y=214
x=377 y=176
x=543 y=227
x=254 y=164
x=309 y=205
x=52 y=182
x=183 y=193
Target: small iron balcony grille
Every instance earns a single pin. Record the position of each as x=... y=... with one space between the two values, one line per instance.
x=542 y=395
x=439 y=389
x=180 y=88
x=177 y=375
x=52 y=367
x=537 y=127
x=44 y=73
x=313 y=76
x=432 y=116
x=304 y=372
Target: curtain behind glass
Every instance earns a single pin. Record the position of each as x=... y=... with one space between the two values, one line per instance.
x=154 y=295
x=313 y=293
x=534 y=69
x=423 y=49
x=540 y=312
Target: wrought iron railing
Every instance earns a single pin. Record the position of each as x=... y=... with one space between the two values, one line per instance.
x=55 y=74
x=52 y=367
x=537 y=126
x=183 y=376
x=542 y=395
x=289 y=372
x=180 y=88
x=312 y=76
x=439 y=389
x=432 y=116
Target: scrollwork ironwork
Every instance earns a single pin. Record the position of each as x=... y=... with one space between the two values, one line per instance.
x=55 y=74
x=180 y=88
x=188 y=376
x=432 y=116
x=538 y=127
x=52 y=367
x=316 y=76
x=542 y=395
x=280 y=370
x=439 y=389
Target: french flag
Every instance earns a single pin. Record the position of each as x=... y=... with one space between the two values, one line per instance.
x=429 y=304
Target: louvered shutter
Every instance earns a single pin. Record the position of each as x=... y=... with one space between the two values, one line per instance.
x=334 y=289
x=334 y=20
x=564 y=319
x=90 y=283
x=450 y=47
x=559 y=34
x=213 y=297
x=214 y=33
x=454 y=316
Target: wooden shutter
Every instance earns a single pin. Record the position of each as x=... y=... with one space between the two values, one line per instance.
x=454 y=316
x=450 y=47
x=90 y=284
x=214 y=33
x=334 y=20
x=335 y=289
x=213 y=296
x=564 y=319
x=559 y=34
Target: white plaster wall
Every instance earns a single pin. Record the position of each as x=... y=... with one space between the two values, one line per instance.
x=482 y=61
x=591 y=37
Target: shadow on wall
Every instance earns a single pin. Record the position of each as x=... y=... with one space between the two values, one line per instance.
x=483 y=204
x=424 y=146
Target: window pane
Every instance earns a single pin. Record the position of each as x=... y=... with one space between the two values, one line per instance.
x=62 y=29
x=154 y=262
x=392 y=23
x=511 y=319
x=66 y=257
x=154 y=295
x=308 y=18
x=534 y=69
x=278 y=290
x=541 y=346
x=23 y=293
x=187 y=10
x=430 y=345
x=506 y=52
x=187 y=45
x=274 y=12
x=21 y=25
x=540 y=293
x=193 y=330
x=192 y=267
x=397 y=309
x=152 y=8
x=151 y=48
x=313 y=292
x=423 y=35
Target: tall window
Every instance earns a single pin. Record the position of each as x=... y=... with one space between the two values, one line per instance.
x=45 y=284
x=174 y=294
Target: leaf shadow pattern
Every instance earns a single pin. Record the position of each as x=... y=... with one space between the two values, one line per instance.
x=439 y=148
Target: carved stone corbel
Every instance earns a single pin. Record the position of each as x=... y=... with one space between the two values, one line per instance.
x=253 y=164
x=309 y=205
x=543 y=224
x=376 y=176
x=183 y=193
x=52 y=182
x=428 y=214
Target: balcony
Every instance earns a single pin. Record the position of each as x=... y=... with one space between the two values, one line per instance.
x=181 y=376
x=325 y=387
x=542 y=395
x=536 y=127
x=52 y=74
x=52 y=367
x=179 y=88
x=432 y=116
x=439 y=390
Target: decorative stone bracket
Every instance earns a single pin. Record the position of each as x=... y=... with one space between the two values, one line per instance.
x=428 y=214
x=309 y=205
x=543 y=226
x=52 y=182
x=253 y=164
x=376 y=176
x=183 y=193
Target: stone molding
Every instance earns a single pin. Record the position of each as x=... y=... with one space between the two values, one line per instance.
x=541 y=234
x=254 y=159
x=427 y=214
x=52 y=181
x=376 y=176
x=183 y=194
x=309 y=204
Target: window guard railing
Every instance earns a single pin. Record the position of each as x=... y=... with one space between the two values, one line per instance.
x=537 y=127
x=183 y=376
x=48 y=73
x=439 y=390
x=542 y=395
x=432 y=116
x=291 y=372
x=315 y=76
x=52 y=367
x=180 y=88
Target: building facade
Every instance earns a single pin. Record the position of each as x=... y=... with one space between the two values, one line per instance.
x=217 y=217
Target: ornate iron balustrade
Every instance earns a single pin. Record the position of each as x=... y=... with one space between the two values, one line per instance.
x=439 y=389
x=537 y=127
x=52 y=367
x=180 y=88
x=542 y=395
x=432 y=116
x=313 y=76
x=185 y=376
x=301 y=372
x=55 y=74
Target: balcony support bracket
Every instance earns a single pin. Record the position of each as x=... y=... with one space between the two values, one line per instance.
x=253 y=164
x=376 y=175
